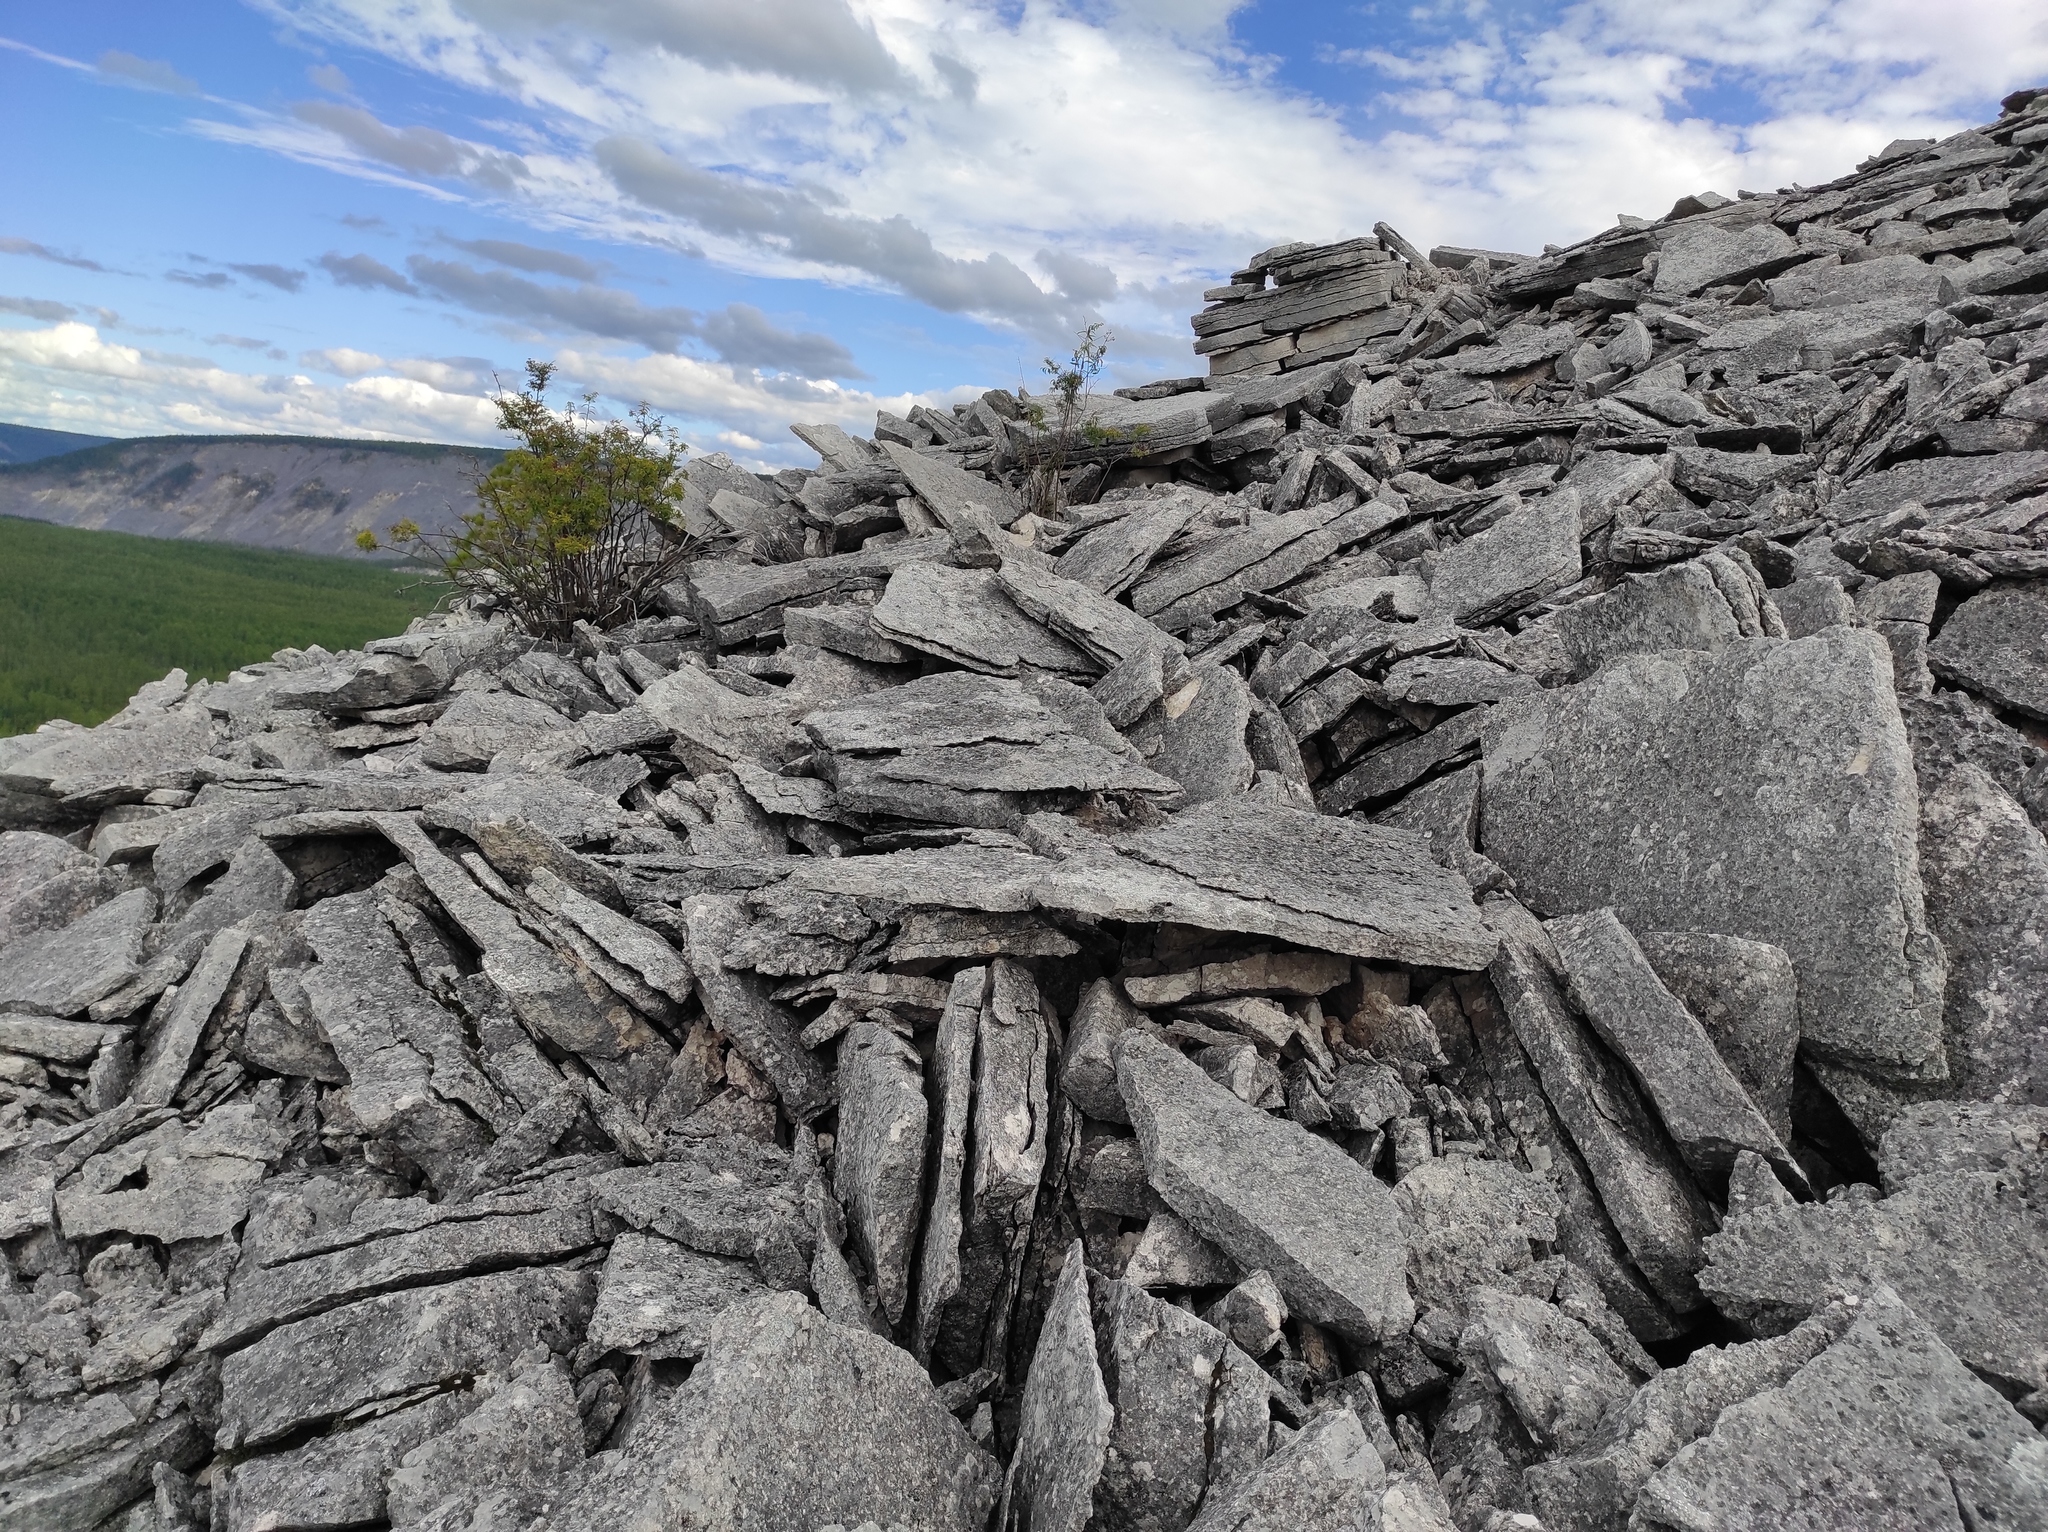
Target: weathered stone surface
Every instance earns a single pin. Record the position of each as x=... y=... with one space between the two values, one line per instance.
x=85 y=1492
x=1190 y=1410
x=1520 y=559
x=738 y=1005
x=1885 y=1422
x=501 y=1463
x=948 y=491
x=1203 y=740
x=46 y=883
x=792 y=1421
x=480 y=725
x=173 y=1036
x=952 y=1079
x=1993 y=645
x=1704 y=1108
x=1786 y=760
x=1064 y=1417
x=1747 y=997
x=197 y=1180
x=1558 y=1378
x=385 y=1348
x=61 y=972
x=336 y=1480
x=1269 y=1194
x=1939 y=1136
x=965 y=616
x=1170 y=1254
x=1327 y=1478
x=1469 y=1223
x=878 y=1165
x=1594 y=1488
x=1985 y=866
x=1960 y=1247
x=1654 y=1206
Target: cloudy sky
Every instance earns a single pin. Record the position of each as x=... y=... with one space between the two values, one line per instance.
x=345 y=217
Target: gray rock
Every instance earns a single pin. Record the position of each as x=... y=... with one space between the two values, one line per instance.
x=1985 y=866
x=738 y=1005
x=1946 y=1135
x=1202 y=745
x=1520 y=559
x=1747 y=997
x=1678 y=607
x=939 y=1271
x=1703 y=256
x=197 y=1180
x=480 y=725
x=734 y=601
x=1811 y=603
x=1327 y=1478
x=388 y=1347
x=61 y=972
x=1088 y=1064
x=1269 y=1194
x=1704 y=1108
x=1445 y=812
x=1886 y=1417
x=716 y=728
x=1251 y=1314
x=1654 y=1206
x=878 y=1163
x=173 y=1036
x=1333 y=886
x=1470 y=1223
x=1993 y=645
x=1594 y=1488
x=724 y=1196
x=1786 y=759
x=1006 y=1157
x=1111 y=557
x=948 y=491
x=1190 y=1410
x=1170 y=1254
x=501 y=1463
x=1959 y=1246
x=1557 y=1377
x=394 y=1041
x=336 y=1480
x=1063 y=1415
x=47 y=883
x=261 y=1297
x=85 y=1492
x=791 y=1421
x=965 y=616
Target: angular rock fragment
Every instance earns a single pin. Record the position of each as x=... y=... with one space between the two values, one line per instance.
x=61 y=972
x=1558 y=1378
x=1268 y=1194
x=1064 y=1416
x=1704 y=1108
x=1786 y=758
x=390 y=1347
x=1747 y=997
x=791 y=1420
x=1327 y=1478
x=879 y=1161
x=1885 y=1419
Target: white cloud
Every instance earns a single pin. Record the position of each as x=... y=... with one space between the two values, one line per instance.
x=1129 y=150
x=58 y=377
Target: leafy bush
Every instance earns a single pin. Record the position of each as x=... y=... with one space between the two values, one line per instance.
x=583 y=520
x=1073 y=383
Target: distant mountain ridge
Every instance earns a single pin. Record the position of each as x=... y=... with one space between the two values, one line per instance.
x=28 y=444
x=308 y=493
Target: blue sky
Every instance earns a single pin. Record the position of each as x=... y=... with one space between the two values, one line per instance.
x=345 y=217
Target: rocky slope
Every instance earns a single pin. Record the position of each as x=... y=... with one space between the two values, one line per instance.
x=1456 y=944
x=309 y=494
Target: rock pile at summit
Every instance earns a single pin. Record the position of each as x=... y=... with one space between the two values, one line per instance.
x=1456 y=942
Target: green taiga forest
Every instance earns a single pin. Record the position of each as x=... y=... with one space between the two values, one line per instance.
x=86 y=617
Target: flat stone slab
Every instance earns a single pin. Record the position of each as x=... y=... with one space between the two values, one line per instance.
x=1520 y=559
x=384 y=1348
x=1964 y=1248
x=1884 y=1428
x=1764 y=790
x=61 y=972
x=878 y=1165
x=1269 y=1194
x=660 y=1299
x=791 y=1420
x=1996 y=645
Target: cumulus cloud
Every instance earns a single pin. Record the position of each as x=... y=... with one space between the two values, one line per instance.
x=818 y=42
x=13 y=245
x=69 y=376
x=151 y=74
x=44 y=309
x=420 y=151
x=365 y=272
x=510 y=252
x=284 y=278
x=739 y=334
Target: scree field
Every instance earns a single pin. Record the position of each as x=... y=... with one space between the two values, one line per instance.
x=86 y=617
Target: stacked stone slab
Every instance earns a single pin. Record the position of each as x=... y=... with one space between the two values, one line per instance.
x=1452 y=939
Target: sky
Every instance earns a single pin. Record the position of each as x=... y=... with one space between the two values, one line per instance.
x=360 y=217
